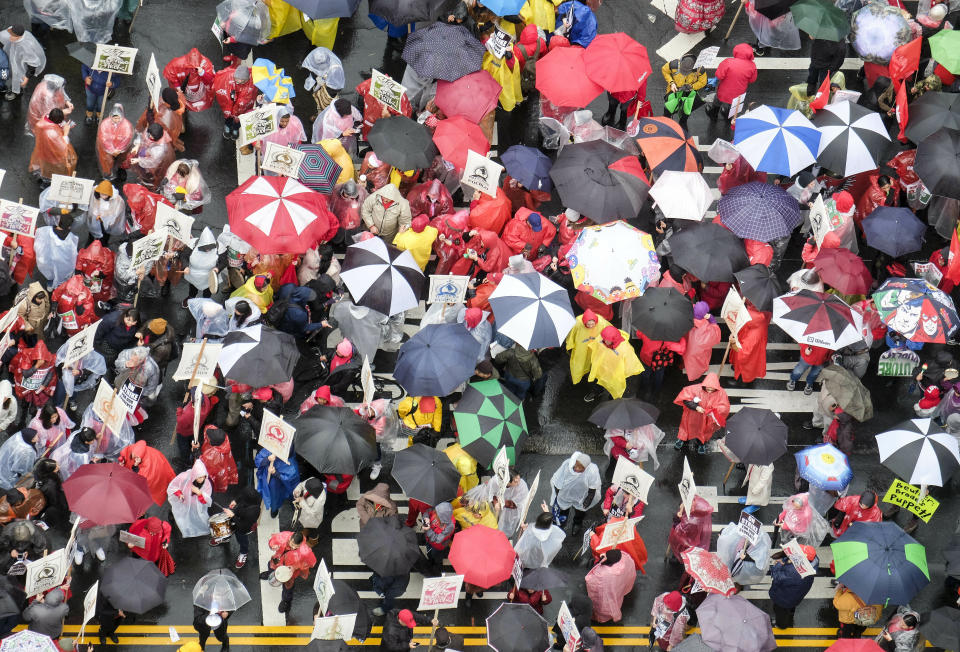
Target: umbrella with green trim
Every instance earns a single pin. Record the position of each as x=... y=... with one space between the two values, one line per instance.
x=821 y=19
x=489 y=417
x=880 y=563
x=945 y=49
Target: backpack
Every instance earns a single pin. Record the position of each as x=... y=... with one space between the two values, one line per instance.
x=275 y=313
x=528 y=75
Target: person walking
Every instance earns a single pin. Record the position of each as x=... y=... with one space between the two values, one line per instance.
x=705 y=410
x=212 y=622
x=576 y=485
x=289 y=549
x=398 y=629
x=45 y=615
x=853 y=613
x=788 y=588
x=734 y=76
x=309 y=498
x=812 y=361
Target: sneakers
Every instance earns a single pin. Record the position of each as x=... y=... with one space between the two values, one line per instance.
x=378 y=611
x=241 y=561
x=679 y=445
x=101 y=555
x=227 y=131
x=78 y=557
x=283 y=607
x=375 y=470
x=791 y=385
x=89 y=118
x=808 y=390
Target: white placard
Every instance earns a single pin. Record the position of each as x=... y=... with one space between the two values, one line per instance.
x=258 y=123
x=842 y=94
x=11 y=316
x=749 y=526
x=17 y=218
x=794 y=551
x=929 y=272
x=517 y=572
x=501 y=470
x=386 y=90
x=108 y=407
x=531 y=496
x=447 y=288
x=737 y=105
x=706 y=56
x=334 y=627
x=90 y=603
x=687 y=487
x=217 y=30
x=70 y=190
x=440 y=592
x=276 y=435
x=323 y=587
x=819 y=221
x=46 y=573
x=499 y=42
x=114 y=58
x=617 y=532
x=188 y=360
x=632 y=479
x=80 y=345
x=153 y=81
x=148 y=249
x=734 y=311
x=366 y=381
x=134 y=539
x=480 y=173
x=176 y=224
x=567 y=625
x=282 y=159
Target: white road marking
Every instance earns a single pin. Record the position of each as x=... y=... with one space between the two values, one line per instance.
x=789 y=63
x=679 y=45
x=269 y=595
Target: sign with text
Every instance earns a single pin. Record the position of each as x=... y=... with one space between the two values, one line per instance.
x=108 y=407
x=276 y=435
x=440 y=592
x=323 y=587
x=798 y=558
x=46 y=573
x=897 y=362
x=282 y=159
x=17 y=218
x=207 y=365
x=114 y=58
x=447 y=288
x=909 y=497
x=499 y=42
x=687 y=487
x=334 y=627
x=706 y=56
x=386 y=90
x=480 y=173
x=129 y=394
x=148 y=249
x=567 y=625
x=258 y=123
x=70 y=190
x=177 y=224
x=517 y=573
x=632 y=479
x=135 y=540
x=80 y=345
x=750 y=527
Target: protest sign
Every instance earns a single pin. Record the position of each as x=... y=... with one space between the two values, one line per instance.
x=258 y=123
x=929 y=272
x=897 y=362
x=80 y=345
x=386 y=90
x=517 y=572
x=632 y=479
x=734 y=311
x=687 y=487
x=148 y=249
x=499 y=42
x=45 y=573
x=108 y=407
x=501 y=470
x=798 y=558
x=323 y=586
x=750 y=527
x=447 y=288
x=617 y=532
x=910 y=498
x=17 y=218
x=480 y=173
x=334 y=627
x=440 y=592
x=129 y=394
x=282 y=159
x=567 y=625
x=276 y=435
x=706 y=56
x=176 y=223
x=531 y=495
x=114 y=58
x=132 y=539
x=153 y=82
x=207 y=366
x=70 y=190
x=366 y=381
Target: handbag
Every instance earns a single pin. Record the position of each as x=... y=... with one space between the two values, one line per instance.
x=867 y=615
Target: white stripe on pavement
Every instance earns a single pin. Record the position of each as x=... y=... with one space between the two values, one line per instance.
x=788 y=63
x=679 y=45
x=774 y=400
x=269 y=595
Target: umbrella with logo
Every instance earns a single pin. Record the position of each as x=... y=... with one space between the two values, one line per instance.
x=734 y=624
x=443 y=51
x=562 y=78
x=258 y=356
x=708 y=251
x=387 y=546
x=531 y=310
x=106 y=494
x=133 y=584
x=529 y=166
x=666 y=146
x=403 y=143
x=849 y=393
x=489 y=417
x=27 y=640
x=483 y=555
x=517 y=628
x=877 y=30
x=937 y=164
x=616 y=62
x=920 y=452
x=756 y=436
x=662 y=314
x=317 y=170
x=759 y=211
x=436 y=360
x=382 y=277
x=334 y=440
x=624 y=414
x=455 y=136
x=824 y=466
x=933 y=111
x=472 y=96
x=818 y=319
x=894 y=230
x=271 y=81
x=612 y=262
x=760 y=285
x=599 y=180
x=220 y=590
x=915 y=309
x=682 y=195
x=852 y=138
x=775 y=140
x=708 y=570
x=880 y=563
x=401 y=12
x=426 y=474
x=843 y=270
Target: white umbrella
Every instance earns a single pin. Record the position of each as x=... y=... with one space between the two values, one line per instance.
x=381 y=277
x=532 y=310
x=852 y=137
x=920 y=452
x=682 y=195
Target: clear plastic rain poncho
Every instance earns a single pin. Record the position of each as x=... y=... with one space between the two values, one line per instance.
x=195 y=190
x=189 y=511
x=106 y=214
x=54 y=13
x=70 y=456
x=327 y=70
x=537 y=548
x=23 y=53
x=747 y=561
x=247 y=21
x=213 y=321
x=48 y=95
x=17 y=457
x=110 y=443
x=780 y=33
x=91 y=366
x=93 y=19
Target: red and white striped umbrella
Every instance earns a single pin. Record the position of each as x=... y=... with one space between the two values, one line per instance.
x=709 y=570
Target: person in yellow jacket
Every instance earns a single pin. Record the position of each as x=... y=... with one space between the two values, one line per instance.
x=683 y=82
x=585 y=331
x=258 y=290
x=340 y=156
x=420 y=413
x=507 y=73
x=466 y=466
x=475 y=512
x=847 y=603
x=418 y=239
x=612 y=361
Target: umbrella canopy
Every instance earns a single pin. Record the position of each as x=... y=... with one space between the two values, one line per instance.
x=854 y=645
x=666 y=146
x=133 y=584
x=944 y=49
x=334 y=439
x=624 y=414
x=821 y=19
x=382 y=277
x=401 y=12
x=852 y=137
x=877 y=30
x=542 y=578
x=318 y=171
x=345 y=600
x=915 y=309
x=920 y=452
x=709 y=570
x=599 y=180
x=107 y=493
x=692 y=643
x=505 y=7
x=28 y=641
x=472 y=96
x=12 y=598
x=426 y=474
x=278 y=215
x=850 y=394
x=933 y=111
x=894 y=230
x=327 y=645
x=662 y=314
x=756 y=436
x=489 y=417
x=824 y=466
x=760 y=285
x=454 y=136
x=258 y=356
x=321 y=9
x=880 y=563
x=247 y=21
x=818 y=319
x=734 y=624
x=388 y=547
x=529 y=166
x=517 y=628
x=220 y=590
x=612 y=262
x=773 y=9
x=709 y=252
x=326 y=66
x=616 y=62
x=531 y=310
x=443 y=51
x=843 y=270
x=562 y=78
x=937 y=163
x=682 y=195
x=83 y=52
x=482 y=555
x=759 y=211
x=271 y=81
x=943 y=628
x=775 y=140
x=403 y=143
x=436 y=360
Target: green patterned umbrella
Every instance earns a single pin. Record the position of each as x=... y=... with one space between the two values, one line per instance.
x=488 y=418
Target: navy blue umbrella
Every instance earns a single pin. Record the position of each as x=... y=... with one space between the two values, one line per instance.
x=894 y=230
x=443 y=51
x=436 y=360
x=529 y=166
x=880 y=563
x=759 y=211
x=320 y=9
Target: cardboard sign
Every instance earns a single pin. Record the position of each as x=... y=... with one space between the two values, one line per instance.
x=108 y=407
x=80 y=345
x=207 y=366
x=819 y=222
x=386 y=90
x=517 y=573
x=6 y=322
x=501 y=470
x=135 y=540
x=447 y=288
x=323 y=587
x=499 y=42
x=148 y=249
x=531 y=496
x=90 y=602
x=177 y=224
x=153 y=82
x=366 y=381
x=929 y=272
x=750 y=527
x=440 y=592
x=334 y=627
x=706 y=56
x=282 y=160
x=46 y=573
x=798 y=558
x=687 y=487
x=907 y=496
x=258 y=123
x=480 y=173
x=737 y=105
x=70 y=190
x=734 y=311
x=17 y=218
x=276 y=435
x=114 y=58
x=567 y=625
x=129 y=394
x=897 y=363
x=617 y=532
x=632 y=479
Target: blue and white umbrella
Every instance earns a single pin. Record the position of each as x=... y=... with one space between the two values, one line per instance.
x=775 y=140
x=532 y=310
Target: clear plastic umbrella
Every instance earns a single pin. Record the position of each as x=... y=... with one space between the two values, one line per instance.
x=220 y=590
x=877 y=30
x=248 y=21
x=26 y=640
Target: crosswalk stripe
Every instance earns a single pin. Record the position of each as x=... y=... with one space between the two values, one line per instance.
x=789 y=63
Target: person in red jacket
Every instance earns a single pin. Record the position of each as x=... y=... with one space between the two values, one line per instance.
x=451 y=240
x=812 y=358
x=490 y=213
x=748 y=348
x=430 y=198
x=485 y=252
x=236 y=95
x=192 y=73
x=529 y=234
x=374 y=109
x=95 y=263
x=734 y=75
x=851 y=509
x=34 y=375
x=74 y=303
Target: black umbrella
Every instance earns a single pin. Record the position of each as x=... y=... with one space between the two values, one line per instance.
x=436 y=360
x=543 y=578
x=344 y=601
x=83 y=52
x=133 y=584
x=943 y=628
x=756 y=436
x=930 y=112
x=773 y=9
x=12 y=598
x=321 y=9
x=662 y=314
x=708 y=251
x=600 y=180
x=334 y=439
x=258 y=356
x=403 y=143
x=381 y=277
x=938 y=163
x=443 y=51
x=517 y=628
x=387 y=546
x=624 y=414
x=401 y=12
x=426 y=474
x=760 y=285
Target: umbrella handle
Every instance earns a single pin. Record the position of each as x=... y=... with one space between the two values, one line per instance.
x=734 y=21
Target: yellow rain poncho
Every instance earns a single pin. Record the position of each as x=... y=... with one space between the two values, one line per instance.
x=260 y=298
x=610 y=367
x=335 y=149
x=476 y=514
x=578 y=343
x=466 y=466
x=508 y=79
x=286 y=19
x=542 y=13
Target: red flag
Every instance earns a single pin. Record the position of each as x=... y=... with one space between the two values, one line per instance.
x=903 y=115
x=952 y=270
x=823 y=95
x=905 y=60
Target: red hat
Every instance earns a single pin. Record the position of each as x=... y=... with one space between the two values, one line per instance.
x=673 y=600
x=810 y=552
x=260 y=281
x=419 y=223
x=611 y=336
x=263 y=394
x=472 y=317
x=588 y=315
x=322 y=392
x=843 y=200
x=406 y=617
x=428 y=404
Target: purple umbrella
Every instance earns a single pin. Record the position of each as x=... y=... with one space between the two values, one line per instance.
x=733 y=624
x=759 y=211
x=894 y=230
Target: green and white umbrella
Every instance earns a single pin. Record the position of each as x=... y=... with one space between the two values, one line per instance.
x=880 y=563
x=489 y=417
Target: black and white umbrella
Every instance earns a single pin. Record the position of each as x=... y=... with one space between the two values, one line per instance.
x=381 y=277
x=852 y=138
x=258 y=356
x=920 y=452
x=531 y=310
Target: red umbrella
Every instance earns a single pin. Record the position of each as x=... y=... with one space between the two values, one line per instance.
x=616 y=62
x=454 y=136
x=709 y=570
x=855 y=645
x=472 y=96
x=107 y=494
x=482 y=555
x=278 y=215
x=843 y=270
x=562 y=78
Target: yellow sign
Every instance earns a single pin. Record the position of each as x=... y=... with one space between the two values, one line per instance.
x=908 y=496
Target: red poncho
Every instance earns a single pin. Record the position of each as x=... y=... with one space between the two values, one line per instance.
x=74 y=304
x=749 y=357
x=453 y=228
x=716 y=408
x=299 y=559
x=143 y=205
x=492 y=255
x=692 y=531
x=853 y=512
x=34 y=384
x=156 y=534
x=25 y=260
x=635 y=547
x=234 y=98
x=113 y=141
x=219 y=461
x=95 y=258
x=430 y=198
x=518 y=233
x=490 y=213
x=153 y=466
x=193 y=74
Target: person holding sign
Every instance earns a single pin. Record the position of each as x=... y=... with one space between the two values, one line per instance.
x=156 y=539
x=236 y=95
x=49 y=94
x=608 y=583
x=168 y=114
x=114 y=138
x=289 y=549
x=34 y=375
x=152 y=465
x=851 y=509
x=184 y=187
x=691 y=530
x=705 y=410
x=748 y=348
x=276 y=479
x=217 y=457
x=788 y=588
x=339 y=120
x=52 y=152
x=747 y=559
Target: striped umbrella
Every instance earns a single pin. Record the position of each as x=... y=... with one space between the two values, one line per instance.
x=818 y=319
x=920 y=452
x=825 y=467
x=666 y=146
x=531 y=310
x=317 y=170
x=275 y=86
x=775 y=140
x=759 y=211
x=489 y=417
x=852 y=137
x=382 y=277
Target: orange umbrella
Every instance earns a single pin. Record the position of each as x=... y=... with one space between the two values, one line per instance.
x=562 y=78
x=666 y=146
x=454 y=136
x=617 y=62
